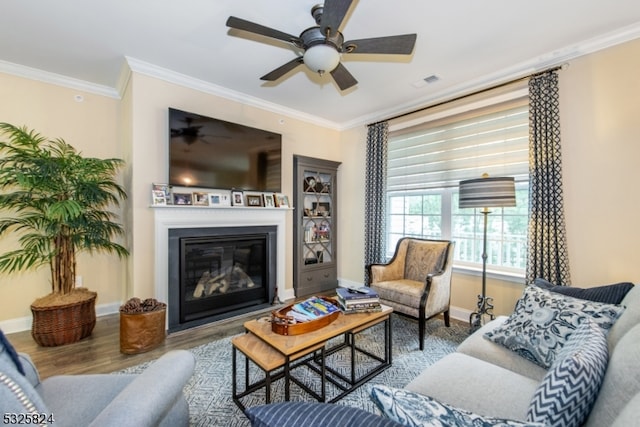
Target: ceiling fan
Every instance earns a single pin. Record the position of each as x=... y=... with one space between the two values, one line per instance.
x=322 y=45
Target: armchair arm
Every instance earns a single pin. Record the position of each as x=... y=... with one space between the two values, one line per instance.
x=384 y=272
x=437 y=292
x=30 y=371
x=394 y=269
x=147 y=399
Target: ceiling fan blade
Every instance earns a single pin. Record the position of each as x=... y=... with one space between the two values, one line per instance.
x=333 y=14
x=241 y=24
x=391 y=45
x=343 y=77
x=282 y=70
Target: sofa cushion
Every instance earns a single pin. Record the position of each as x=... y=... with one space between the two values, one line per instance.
x=415 y=410
x=312 y=414
x=621 y=381
x=477 y=346
x=630 y=414
x=568 y=391
x=629 y=319
x=462 y=381
x=610 y=294
x=424 y=257
x=542 y=322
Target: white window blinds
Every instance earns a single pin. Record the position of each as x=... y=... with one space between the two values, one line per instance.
x=442 y=151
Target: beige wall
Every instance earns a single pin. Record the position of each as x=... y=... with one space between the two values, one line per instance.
x=91 y=126
x=600 y=131
x=150 y=100
x=600 y=118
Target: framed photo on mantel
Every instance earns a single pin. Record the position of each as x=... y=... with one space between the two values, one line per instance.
x=282 y=201
x=237 y=198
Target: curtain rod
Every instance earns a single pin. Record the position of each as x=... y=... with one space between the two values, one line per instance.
x=477 y=92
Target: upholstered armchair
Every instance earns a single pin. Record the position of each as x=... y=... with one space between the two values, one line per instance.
x=417 y=280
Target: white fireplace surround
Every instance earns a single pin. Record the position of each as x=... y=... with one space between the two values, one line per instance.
x=170 y=217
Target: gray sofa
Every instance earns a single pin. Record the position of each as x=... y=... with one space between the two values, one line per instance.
x=486 y=378
x=151 y=398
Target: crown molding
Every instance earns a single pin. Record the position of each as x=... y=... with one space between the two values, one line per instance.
x=554 y=58
x=57 y=79
x=559 y=57
x=151 y=70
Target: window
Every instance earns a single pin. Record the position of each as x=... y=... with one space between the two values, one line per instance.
x=427 y=158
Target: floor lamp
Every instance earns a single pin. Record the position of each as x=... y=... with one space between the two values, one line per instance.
x=485 y=192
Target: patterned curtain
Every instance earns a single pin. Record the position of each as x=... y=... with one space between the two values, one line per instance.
x=375 y=201
x=547 y=245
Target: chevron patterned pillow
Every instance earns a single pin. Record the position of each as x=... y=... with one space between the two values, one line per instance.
x=568 y=391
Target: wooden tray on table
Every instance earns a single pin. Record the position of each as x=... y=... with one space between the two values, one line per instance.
x=283 y=324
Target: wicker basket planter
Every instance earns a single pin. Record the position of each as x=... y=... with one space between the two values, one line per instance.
x=64 y=324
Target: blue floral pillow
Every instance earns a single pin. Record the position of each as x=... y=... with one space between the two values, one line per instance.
x=542 y=322
x=567 y=393
x=416 y=410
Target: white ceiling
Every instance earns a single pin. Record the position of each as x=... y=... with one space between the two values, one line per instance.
x=468 y=44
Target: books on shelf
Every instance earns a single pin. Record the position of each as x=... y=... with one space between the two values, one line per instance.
x=311 y=309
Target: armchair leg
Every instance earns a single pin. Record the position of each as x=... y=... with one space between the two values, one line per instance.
x=446 y=319
x=421 y=330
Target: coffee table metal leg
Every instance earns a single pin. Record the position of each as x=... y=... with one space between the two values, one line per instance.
x=234 y=387
x=287 y=373
x=389 y=353
x=323 y=377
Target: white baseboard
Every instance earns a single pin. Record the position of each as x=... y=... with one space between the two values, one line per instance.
x=21 y=324
x=458 y=313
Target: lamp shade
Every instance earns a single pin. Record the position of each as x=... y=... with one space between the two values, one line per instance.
x=321 y=58
x=487 y=192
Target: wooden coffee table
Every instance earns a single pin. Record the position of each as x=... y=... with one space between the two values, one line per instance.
x=278 y=354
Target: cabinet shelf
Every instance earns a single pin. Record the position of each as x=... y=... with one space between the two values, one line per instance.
x=315 y=231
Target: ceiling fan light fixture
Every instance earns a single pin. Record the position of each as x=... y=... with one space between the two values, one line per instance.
x=321 y=58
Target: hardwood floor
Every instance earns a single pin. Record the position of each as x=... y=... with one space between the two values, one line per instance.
x=100 y=353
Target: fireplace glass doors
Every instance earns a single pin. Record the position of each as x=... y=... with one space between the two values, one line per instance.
x=216 y=273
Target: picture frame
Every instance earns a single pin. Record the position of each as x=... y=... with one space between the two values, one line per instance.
x=158 y=198
x=225 y=199
x=237 y=198
x=215 y=199
x=268 y=200
x=281 y=200
x=166 y=191
x=200 y=199
x=254 y=200
x=182 y=199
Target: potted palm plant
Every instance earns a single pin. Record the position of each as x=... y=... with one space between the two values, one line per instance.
x=58 y=201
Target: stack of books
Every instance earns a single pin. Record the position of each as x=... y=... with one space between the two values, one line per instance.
x=358 y=300
x=311 y=309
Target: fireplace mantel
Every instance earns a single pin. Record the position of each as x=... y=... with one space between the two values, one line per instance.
x=170 y=217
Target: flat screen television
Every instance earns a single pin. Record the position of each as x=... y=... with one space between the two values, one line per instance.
x=211 y=153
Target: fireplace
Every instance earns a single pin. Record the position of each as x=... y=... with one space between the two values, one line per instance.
x=179 y=219
x=219 y=272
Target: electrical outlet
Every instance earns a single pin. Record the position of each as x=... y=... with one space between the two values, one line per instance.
x=78 y=281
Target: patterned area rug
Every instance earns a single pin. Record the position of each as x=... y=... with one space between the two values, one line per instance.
x=209 y=390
